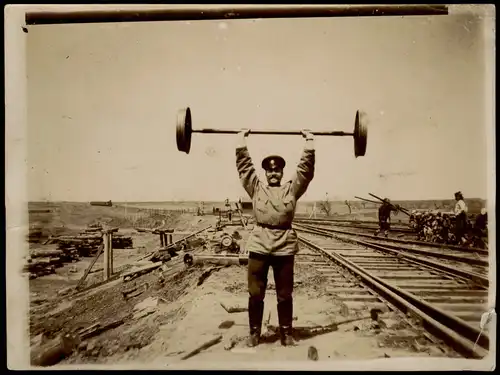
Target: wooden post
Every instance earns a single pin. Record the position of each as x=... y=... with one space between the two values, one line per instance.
x=162 y=238
x=110 y=240
x=169 y=239
x=105 y=240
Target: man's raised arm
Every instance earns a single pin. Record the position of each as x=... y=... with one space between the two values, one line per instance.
x=246 y=170
x=305 y=168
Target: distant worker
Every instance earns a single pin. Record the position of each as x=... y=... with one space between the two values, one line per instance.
x=481 y=222
x=384 y=217
x=273 y=242
x=481 y=229
x=460 y=217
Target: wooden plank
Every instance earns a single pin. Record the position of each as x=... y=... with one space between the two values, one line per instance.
x=87 y=271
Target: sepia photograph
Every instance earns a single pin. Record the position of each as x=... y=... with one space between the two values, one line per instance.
x=250 y=187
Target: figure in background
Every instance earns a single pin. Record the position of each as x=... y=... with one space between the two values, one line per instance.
x=384 y=217
x=481 y=229
x=460 y=217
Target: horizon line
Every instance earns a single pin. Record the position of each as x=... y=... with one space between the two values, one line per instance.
x=223 y=200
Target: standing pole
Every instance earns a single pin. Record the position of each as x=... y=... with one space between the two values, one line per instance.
x=105 y=240
x=162 y=238
x=110 y=246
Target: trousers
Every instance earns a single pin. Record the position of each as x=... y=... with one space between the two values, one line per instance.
x=384 y=224
x=460 y=226
x=258 y=269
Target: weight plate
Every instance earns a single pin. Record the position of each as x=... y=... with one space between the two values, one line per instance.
x=226 y=241
x=360 y=133
x=184 y=130
x=188 y=259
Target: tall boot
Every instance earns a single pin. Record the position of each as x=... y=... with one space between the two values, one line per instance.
x=285 y=318
x=255 y=315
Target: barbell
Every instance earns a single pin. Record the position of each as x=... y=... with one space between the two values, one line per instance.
x=184 y=131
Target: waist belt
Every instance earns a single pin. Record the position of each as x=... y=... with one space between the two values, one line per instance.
x=268 y=226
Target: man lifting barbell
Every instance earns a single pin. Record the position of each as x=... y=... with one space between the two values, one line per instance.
x=273 y=242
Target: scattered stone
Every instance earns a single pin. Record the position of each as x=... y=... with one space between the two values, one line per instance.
x=312 y=353
x=226 y=324
x=233 y=309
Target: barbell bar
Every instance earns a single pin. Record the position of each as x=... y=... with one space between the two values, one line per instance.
x=184 y=131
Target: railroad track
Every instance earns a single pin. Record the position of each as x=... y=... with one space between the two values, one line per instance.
x=359 y=225
x=332 y=226
x=471 y=259
x=448 y=301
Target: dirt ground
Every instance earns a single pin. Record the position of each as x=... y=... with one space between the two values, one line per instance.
x=172 y=315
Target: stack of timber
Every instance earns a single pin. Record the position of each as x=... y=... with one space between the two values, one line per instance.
x=44 y=262
x=35 y=235
x=440 y=227
x=85 y=244
x=88 y=243
x=122 y=242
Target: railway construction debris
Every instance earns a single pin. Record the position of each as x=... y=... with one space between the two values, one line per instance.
x=434 y=226
x=87 y=244
x=69 y=249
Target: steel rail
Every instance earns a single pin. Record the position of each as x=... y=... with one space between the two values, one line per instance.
x=444 y=325
x=409 y=242
x=302 y=217
x=456 y=258
x=361 y=226
x=480 y=280
x=226 y=13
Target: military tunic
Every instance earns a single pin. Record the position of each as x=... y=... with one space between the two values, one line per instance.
x=274 y=206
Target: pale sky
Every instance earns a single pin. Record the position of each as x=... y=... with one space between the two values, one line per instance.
x=103 y=101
